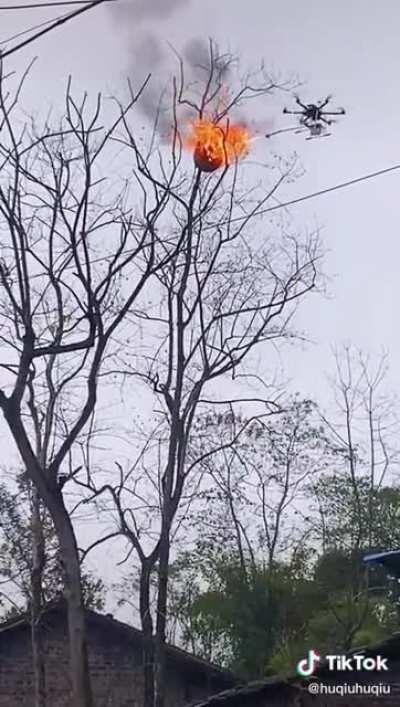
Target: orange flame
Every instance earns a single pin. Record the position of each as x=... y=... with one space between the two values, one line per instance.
x=216 y=145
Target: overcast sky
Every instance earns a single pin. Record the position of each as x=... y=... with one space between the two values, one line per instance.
x=350 y=49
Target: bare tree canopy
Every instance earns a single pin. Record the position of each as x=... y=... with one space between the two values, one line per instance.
x=230 y=287
x=74 y=258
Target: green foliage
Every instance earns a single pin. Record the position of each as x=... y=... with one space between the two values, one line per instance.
x=258 y=621
x=356 y=514
x=245 y=613
x=269 y=577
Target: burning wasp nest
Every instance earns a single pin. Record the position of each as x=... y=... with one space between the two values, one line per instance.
x=215 y=145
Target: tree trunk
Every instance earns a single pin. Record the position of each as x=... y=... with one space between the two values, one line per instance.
x=52 y=498
x=38 y=561
x=147 y=628
x=80 y=678
x=159 y=663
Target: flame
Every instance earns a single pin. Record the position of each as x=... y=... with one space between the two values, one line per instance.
x=216 y=145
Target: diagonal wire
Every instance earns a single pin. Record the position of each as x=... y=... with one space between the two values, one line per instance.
x=35 y=5
x=31 y=29
x=59 y=21
x=313 y=195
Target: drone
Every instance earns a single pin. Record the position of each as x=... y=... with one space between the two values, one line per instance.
x=314 y=118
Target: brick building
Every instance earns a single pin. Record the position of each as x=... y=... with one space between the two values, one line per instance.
x=115 y=658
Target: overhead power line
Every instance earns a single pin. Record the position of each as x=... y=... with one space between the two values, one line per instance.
x=314 y=194
x=31 y=29
x=59 y=21
x=36 y=5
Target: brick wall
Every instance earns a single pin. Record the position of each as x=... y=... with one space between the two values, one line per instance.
x=115 y=667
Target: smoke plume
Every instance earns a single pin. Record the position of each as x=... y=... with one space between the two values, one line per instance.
x=141 y=23
x=142 y=10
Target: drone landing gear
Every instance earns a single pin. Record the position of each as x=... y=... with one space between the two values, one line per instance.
x=314 y=137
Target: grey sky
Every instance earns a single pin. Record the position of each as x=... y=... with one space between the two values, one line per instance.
x=349 y=49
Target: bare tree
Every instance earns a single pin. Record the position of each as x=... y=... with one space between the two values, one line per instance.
x=363 y=426
x=263 y=478
x=76 y=253
x=352 y=502
x=231 y=289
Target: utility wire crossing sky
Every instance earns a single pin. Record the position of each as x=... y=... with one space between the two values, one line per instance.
x=36 y=5
x=57 y=22
x=314 y=194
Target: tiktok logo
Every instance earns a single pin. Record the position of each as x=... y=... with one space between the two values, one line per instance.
x=306 y=667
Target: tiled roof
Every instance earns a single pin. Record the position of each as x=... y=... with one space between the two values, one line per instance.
x=235 y=695
x=389 y=648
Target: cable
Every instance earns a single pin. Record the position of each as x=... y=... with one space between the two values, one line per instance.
x=31 y=29
x=61 y=20
x=313 y=195
x=44 y=4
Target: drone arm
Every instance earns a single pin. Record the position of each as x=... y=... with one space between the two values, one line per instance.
x=325 y=102
x=293 y=112
x=335 y=112
x=299 y=103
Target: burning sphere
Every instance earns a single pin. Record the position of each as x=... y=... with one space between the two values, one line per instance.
x=207 y=159
x=216 y=145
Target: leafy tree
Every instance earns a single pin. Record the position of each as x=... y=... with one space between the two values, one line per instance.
x=241 y=620
x=345 y=522
x=264 y=619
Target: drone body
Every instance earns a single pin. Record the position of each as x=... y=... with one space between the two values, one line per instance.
x=313 y=116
